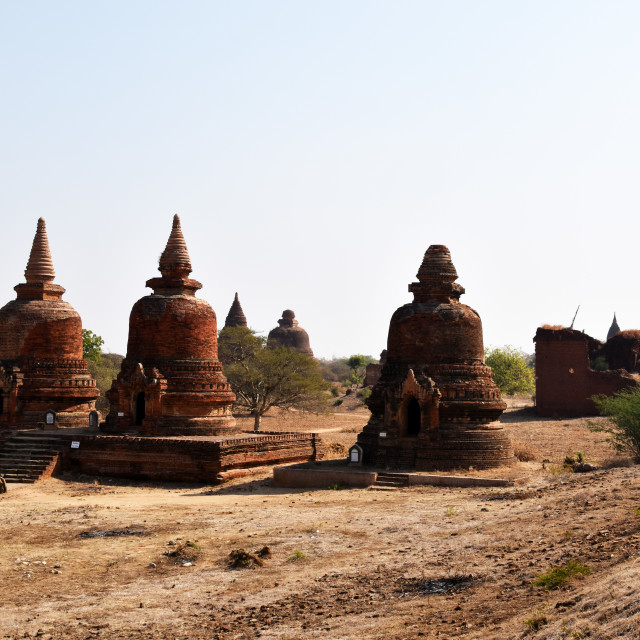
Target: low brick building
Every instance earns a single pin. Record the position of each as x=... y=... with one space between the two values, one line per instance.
x=565 y=379
x=41 y=364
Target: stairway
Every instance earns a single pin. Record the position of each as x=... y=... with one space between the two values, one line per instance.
x=29 y=456
x=388 y=481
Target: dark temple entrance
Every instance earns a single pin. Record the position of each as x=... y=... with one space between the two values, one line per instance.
x=413 y=418
x=140 y=408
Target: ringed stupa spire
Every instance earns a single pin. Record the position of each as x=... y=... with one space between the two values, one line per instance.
x=40 y=265
x=175 y=257
x=235 y=317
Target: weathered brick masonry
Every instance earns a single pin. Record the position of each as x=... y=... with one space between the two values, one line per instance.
x=565 y=381
x=435 y=405
x=171 y=381
x=41 y=365
x=185 y=459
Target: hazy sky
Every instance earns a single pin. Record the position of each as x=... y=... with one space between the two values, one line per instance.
x=315 y=149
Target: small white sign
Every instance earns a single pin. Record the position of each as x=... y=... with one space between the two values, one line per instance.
x=355 y=455
x=120 y=414
x=383 y=434
x=75 y=444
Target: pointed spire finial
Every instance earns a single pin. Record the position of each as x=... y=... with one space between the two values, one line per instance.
x=40 y=265
x=235 y=317
x=175 y=258
x=614 y=328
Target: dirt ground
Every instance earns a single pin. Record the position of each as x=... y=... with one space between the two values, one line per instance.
x=99 y=558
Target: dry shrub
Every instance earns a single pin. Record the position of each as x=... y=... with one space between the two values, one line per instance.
x=336 y=450
x=523 y=452
x=552 y=327
x=616 y=461
x=241 y=559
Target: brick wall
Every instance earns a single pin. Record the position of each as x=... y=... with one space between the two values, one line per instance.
x=183 y=459
x=565 y=381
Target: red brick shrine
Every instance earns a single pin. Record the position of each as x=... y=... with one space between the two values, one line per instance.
x=41 y=364
x=435 y=405
x=289 y=334
x=171 y=380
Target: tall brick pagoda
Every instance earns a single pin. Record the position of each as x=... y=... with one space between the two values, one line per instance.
x=41 y=365
x=171 y=380
x=235 y=317
x=435 y=404
x=289 y=334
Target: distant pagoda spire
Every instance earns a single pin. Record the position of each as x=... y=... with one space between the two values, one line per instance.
x=614 y=328
x=235 y=317
x=40 y=266
x=175 y=257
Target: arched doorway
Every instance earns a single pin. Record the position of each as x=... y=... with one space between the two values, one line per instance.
x=414 y=422
x=140 y=408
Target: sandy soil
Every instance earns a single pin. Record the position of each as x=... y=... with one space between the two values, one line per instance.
x=424 y=562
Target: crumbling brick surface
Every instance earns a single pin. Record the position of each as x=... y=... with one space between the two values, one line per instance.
x=41 y=365
x=171 y=381
x=565 y=381
x=435 y=404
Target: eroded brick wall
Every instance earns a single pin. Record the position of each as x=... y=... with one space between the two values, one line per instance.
x=186 y=460
x=565 y=381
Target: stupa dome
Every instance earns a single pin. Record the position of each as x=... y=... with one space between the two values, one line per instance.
x=289 y=334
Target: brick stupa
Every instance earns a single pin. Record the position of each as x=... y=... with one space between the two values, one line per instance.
x=235 y=317
x=41 y=364
x=435 y=404
x=290 y=334
x=171 y=380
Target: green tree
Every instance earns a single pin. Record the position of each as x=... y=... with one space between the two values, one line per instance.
x=357 y=364
x=277 y=377
x=511 y=372
x=91 y=345
x=104 y=367
x=623 y=411
x=236 y=344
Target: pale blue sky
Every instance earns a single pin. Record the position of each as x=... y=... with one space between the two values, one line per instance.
x=314 y=150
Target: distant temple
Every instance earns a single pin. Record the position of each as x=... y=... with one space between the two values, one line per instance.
x=289 y=334
x=171 y=380
x=235 y=317
x=613 y=329
x=41 y=365
x=435 y=405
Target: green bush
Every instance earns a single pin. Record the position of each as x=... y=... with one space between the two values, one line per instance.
x=363 y=394
x=511 y=372
x=623 y=411
x=559 y=576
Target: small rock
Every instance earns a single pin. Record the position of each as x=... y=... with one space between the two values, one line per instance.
x=152 y=565
x=187 y=564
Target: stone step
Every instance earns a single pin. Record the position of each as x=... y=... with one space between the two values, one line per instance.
x=26 y=466
x=20 y=477
x=26 y=456
x=390 y=481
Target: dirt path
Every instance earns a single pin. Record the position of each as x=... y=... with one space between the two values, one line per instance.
x=417 y=563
